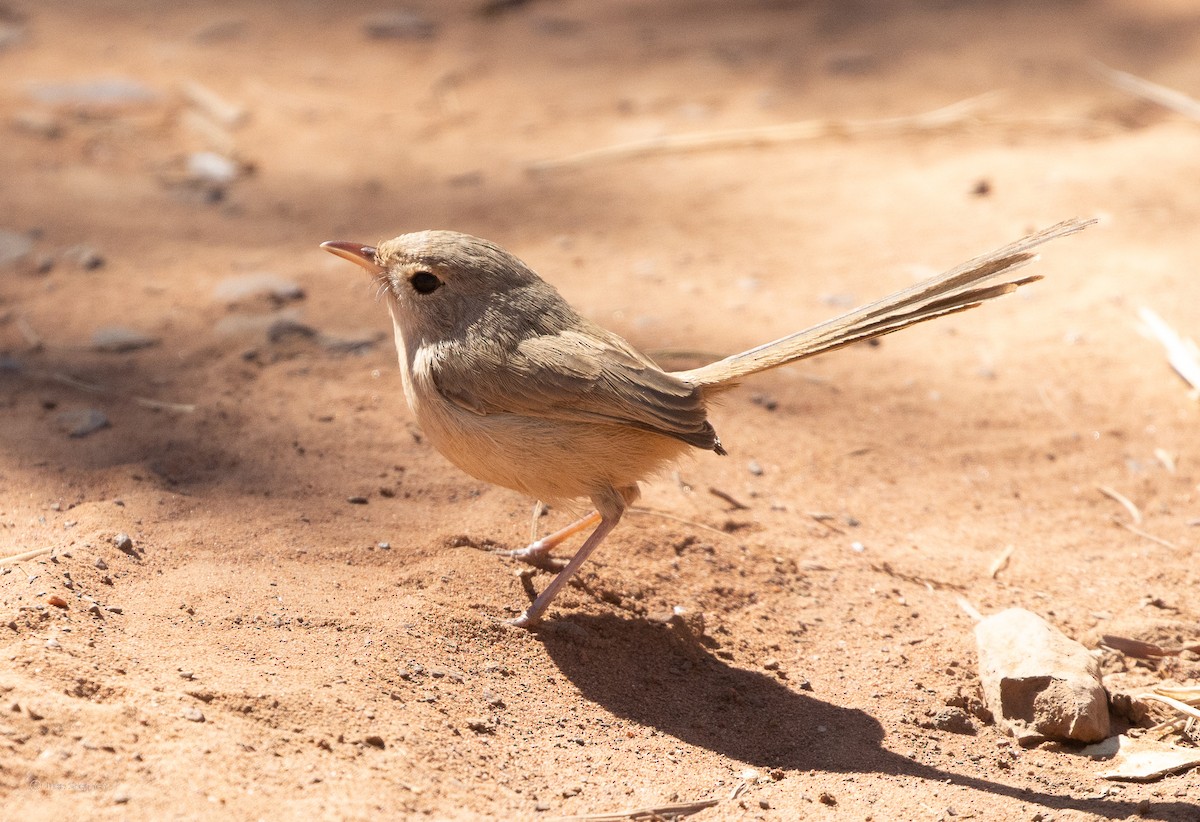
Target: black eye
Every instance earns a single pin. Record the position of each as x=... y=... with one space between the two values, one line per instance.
x=423 y=282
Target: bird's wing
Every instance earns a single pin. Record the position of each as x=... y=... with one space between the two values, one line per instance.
x=579 y=376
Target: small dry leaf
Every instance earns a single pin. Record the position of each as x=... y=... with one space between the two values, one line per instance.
x=1142 y=759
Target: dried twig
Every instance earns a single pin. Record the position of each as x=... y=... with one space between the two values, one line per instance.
x=216 y=107
x=1144 y=650
x=826 y=520
x=145 y=402
x=729 y=498
x=953 y=114
x=1182 y=354
x=15 y=558
x=1158 y=696
x=969 y=609
x=1169 y=98
x=1124 y=500
x=665 y=515
x=1166 y=458
x=661 y=811
x=1001 y=562
x=1133 y=530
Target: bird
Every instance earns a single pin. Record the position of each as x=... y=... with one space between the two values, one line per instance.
x=516 y=388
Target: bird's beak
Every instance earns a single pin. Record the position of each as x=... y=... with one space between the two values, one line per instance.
x=357 y=253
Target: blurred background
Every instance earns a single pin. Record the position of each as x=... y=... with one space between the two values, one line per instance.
x=179 y=360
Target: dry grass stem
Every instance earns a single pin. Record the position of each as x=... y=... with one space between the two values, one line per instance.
x=15 y=558
x=969 y=609
x=1001 y=562
x=674 y=518
x=145 y=402
x=1182 y=354
x=1168 y=98
x=729 y=498
x=1124 y=500
x=953 y=114
x=1134 y=530
x=659 y=812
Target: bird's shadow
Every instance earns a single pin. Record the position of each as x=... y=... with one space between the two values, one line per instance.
x=662 y=676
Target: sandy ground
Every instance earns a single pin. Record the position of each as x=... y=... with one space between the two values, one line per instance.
x=269 y=649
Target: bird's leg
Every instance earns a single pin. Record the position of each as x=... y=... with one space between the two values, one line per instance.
x=539 y=508
x=609 y=508
x=536 y=551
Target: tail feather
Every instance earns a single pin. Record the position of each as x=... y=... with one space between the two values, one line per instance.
x=966 y=286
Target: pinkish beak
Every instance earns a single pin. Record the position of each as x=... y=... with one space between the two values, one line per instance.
x=357 y=253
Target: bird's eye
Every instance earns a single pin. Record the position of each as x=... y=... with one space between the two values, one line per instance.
x=425 y=282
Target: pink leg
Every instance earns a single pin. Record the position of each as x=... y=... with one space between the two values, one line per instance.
x=533 y=613
x=536 y=551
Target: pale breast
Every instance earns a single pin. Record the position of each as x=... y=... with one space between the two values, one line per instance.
x=544 y=458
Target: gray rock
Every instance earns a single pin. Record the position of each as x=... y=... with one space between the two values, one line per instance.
x=13 y=247
x=951 y=720
x=1040 y=684
x=85 y=257
x=11 y=32
x=284 y=329
x=38 y=123
x=245 y=286
x=83 y=421
x=117 y=339
x=399 y=24
x=235 y=325
x=211 y=168
x=99 y=93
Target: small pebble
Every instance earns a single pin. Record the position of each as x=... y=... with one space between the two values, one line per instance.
x=82 y=421
x=357 y=500
x=211 y=168
x=99 y=93
x=754 y=468
x=193 y=715
x=118 y=340
x=375 y=742
x=84 y=256
x=481 y=725
x=100 y=564
x=399 y=24
x=245 y=286
x=13 y=247
x=219 y=31
x=11 y=30
x=283 y=328
x=123 y=543
x=53 y=644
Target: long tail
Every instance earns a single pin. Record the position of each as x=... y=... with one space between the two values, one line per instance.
x=961 y=288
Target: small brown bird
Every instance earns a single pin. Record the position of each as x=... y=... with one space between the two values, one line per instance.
x=516 y=388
